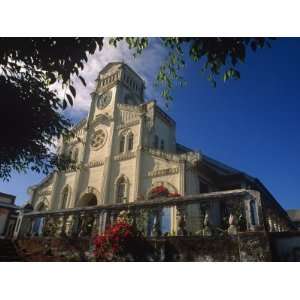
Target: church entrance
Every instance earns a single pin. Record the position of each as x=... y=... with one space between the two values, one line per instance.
x=88 y=199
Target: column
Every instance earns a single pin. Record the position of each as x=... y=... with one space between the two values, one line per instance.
x=18 y=226
x=137 y=177
x=105 y=196
x=54 y=197
x=182 y=175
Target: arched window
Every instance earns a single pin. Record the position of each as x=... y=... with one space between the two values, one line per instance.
x=75 y=154
x=90 y=197
x=162 y=145
x=42 y=206
x=130 y=141
x=65 y=197
x=155 y=144
x=88 y=200
x=122 y=144
x=121 y=190
x=253 y=212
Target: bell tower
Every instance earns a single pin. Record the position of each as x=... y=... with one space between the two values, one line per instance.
x=124 y=77
x=116 y=83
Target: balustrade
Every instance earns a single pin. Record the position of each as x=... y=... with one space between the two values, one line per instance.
x=205 y=215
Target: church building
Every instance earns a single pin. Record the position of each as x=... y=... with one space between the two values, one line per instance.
x=126 y=151
x=123 y=149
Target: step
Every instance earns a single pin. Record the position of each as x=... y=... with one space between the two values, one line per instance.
x=8 y=251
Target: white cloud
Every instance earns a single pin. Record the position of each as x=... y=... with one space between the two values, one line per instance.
x=146 y=64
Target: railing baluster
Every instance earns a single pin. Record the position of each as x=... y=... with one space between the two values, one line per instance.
x=181 y=219
x=156 y=230
x=218 y=214
x=96 y=224
x=64 y=225
x=207 y=230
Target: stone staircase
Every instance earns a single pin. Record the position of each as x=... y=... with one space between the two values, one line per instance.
x=8 y=251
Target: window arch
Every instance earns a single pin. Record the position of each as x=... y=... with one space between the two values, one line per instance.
x=75 y=154
x=42 y=205
x=122 y=143
x=89 y=197
x=122 y=188
x=130 y=141
x=66 y=193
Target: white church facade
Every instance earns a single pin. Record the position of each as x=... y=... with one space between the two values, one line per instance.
x=123 y=150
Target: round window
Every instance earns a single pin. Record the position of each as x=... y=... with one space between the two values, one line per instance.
x=98 y=139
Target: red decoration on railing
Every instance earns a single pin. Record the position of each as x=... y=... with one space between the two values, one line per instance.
x=161 y=191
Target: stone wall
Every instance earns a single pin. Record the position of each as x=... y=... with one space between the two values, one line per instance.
x=244 y=247
x=53 y=250
x=285 y=246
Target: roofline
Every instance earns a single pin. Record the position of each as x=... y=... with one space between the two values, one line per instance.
x=7 y=205
x=122 y=64
x=13 y=197
x=184 y=148
x=34 y=187
x=222 y=165
x=137 y=74
x=160 y=110
x=251 y=179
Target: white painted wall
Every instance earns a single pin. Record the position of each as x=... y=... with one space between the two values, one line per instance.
x=144 y=122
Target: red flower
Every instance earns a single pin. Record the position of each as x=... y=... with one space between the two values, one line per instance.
x=115 y=241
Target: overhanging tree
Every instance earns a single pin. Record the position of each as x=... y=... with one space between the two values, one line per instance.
x=31 y=117
x=31 y=113
x=215 y=56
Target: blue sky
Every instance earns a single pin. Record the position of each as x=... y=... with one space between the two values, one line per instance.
x=251 y=124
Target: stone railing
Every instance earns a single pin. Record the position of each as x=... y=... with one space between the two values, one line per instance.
x=217 y=213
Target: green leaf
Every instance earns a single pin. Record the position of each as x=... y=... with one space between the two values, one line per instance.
x=82 y=80
x=65 y=104
x=73 y=91
x=70 y=99
x=52 y=78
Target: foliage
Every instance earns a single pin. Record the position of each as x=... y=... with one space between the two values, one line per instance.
x=217 y=57
x=31 y=69
x=161 y=191
x=122 y=242
x=31 y=118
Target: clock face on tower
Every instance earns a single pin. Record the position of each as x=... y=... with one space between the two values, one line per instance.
x=103 y=100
